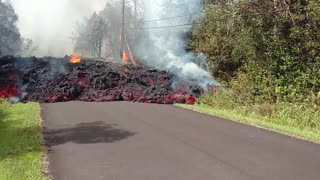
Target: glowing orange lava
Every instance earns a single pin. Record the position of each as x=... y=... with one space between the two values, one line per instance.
x=9 y=91
x=74 y=59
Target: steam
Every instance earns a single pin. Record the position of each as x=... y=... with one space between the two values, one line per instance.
x=169 y=44
x=50 y=23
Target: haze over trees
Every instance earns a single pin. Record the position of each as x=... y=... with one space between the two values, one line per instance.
x=91 y=36
x=10 y=37
x=98 y=35
x=11 y=41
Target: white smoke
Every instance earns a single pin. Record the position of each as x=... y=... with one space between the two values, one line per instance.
x=169 y=43
x=50 y=23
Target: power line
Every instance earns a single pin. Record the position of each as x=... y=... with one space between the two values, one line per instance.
x=168 y=18
x=176 y=17
x=163 y=27
x=181 y=25
x=197 y=13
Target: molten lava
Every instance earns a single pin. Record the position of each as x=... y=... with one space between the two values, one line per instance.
x=9 y=91
x=91 y=81
x=8 y=87
x=74 y=59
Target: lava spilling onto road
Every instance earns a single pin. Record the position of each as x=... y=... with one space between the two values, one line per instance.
x=74 y=79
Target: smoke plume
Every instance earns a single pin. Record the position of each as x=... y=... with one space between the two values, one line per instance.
x=168 y=24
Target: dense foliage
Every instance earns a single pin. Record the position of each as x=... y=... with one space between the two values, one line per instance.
x=267 y=51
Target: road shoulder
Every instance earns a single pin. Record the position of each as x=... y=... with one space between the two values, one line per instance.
x=306 y=135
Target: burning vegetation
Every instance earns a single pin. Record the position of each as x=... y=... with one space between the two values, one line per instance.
x=74 y=79
x=74 y=59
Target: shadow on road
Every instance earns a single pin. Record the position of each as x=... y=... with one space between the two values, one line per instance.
x=86 y=133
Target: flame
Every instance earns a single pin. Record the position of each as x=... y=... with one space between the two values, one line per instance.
x=125 y=57
x=75 y=59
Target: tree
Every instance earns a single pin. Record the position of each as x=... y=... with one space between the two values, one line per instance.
x=103 y=29
x=10 y=37
x=91 y=36
x=97 y=29
x=28 y=48
x=272 y=45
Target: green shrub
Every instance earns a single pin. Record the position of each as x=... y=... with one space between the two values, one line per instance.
x=267 y=51
x=300 y=115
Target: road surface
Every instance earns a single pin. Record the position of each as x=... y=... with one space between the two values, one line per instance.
x=128 y=141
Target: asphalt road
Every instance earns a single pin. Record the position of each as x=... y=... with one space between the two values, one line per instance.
x=127 y=141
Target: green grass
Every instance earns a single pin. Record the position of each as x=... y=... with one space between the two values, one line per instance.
x=21 y=153
x=254 y=119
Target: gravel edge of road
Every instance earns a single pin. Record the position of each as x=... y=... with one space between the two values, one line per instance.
x=283 y=130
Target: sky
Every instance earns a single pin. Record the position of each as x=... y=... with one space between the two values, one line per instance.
x=50 y=23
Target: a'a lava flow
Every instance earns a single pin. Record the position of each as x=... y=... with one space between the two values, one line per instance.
x=76 y=79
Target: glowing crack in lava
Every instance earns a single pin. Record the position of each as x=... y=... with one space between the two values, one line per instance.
x=9 y=89
x=74 y=59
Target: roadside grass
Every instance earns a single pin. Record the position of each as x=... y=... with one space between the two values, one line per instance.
x=21 y=153
x=290 y=119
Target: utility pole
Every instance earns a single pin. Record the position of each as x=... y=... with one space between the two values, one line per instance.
x=135 y=19
x=122 y=31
